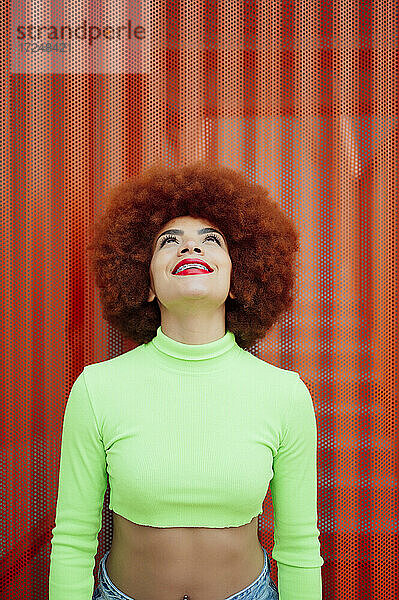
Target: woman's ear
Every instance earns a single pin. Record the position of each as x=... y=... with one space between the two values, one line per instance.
x=151 y=295
x=232 y=295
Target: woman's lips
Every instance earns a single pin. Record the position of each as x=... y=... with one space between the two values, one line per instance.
x=194 y=271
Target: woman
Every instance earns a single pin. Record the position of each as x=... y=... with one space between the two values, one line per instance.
x=189 y=427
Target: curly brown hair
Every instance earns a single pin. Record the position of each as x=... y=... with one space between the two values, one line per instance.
x=262 y=243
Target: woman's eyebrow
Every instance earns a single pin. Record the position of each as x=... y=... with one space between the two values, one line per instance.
x=180 y=231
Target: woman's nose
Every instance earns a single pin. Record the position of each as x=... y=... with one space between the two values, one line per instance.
x=191 y=246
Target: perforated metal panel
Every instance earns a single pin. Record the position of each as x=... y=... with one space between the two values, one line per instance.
x=302 y=97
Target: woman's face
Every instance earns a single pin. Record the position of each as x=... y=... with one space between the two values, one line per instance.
x=177 y=292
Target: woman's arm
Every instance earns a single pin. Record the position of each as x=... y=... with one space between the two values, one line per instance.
x=81 y=488
x=294 y=494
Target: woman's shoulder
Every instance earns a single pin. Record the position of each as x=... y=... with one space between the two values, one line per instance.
x=267 y=369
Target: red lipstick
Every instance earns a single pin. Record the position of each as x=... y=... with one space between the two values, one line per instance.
x=192 y=270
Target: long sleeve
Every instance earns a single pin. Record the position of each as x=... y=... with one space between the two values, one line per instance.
x=81 y=488
x=294 y=495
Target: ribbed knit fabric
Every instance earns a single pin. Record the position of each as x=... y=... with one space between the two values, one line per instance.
x=190 y=436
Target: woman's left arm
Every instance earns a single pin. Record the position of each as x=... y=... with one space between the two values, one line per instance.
x=294 y=494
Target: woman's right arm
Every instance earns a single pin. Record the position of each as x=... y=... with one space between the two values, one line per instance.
x=81 y=487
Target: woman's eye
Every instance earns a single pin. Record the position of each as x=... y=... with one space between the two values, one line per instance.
x=166 y=239
x=215 y=237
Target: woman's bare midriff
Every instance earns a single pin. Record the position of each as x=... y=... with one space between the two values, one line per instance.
x=157 y=563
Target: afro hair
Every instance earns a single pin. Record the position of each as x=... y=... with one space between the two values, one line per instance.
x=262 y=243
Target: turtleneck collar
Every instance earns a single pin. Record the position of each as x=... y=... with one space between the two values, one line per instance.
x=193 y=351
x=204 y=358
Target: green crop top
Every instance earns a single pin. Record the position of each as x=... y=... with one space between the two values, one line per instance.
x=189 y=436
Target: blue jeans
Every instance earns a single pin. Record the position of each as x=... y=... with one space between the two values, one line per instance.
x=263 y=588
